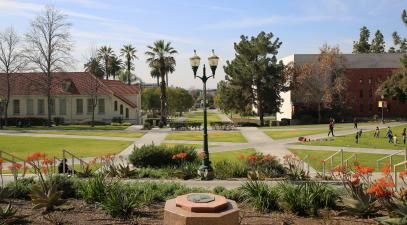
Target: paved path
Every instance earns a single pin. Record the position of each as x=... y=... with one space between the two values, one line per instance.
x=346 y=149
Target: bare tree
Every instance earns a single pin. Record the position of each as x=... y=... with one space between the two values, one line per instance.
x=11 y=61
x=49 y=46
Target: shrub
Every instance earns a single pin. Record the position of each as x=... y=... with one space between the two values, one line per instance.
x=260 y=196
x=117 y=119
x=160 y=156
x=307 y=198
x=59 y=121
x=48 y=200
x=8 y=215
x=119 y=201
x=26 y=121
x=264 y=166
x=225 y=169
x=21 y=188
x=233 y=194
x=295 y=170
x=65 y=184
x=94 y=189
x=153 y=173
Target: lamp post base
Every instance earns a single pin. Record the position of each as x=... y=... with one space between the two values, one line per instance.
x=206 y=172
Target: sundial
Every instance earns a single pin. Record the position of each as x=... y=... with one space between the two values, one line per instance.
x=200 y=198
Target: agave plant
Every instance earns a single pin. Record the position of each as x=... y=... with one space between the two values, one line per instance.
x=8 y=215
x=46 y=200
x=397 y=213
x=260 y=196
x=124 y=171
x=86 y=172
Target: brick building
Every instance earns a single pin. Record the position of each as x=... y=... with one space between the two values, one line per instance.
x=365 y=73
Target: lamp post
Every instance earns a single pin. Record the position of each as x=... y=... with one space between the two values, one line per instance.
x=205 y=170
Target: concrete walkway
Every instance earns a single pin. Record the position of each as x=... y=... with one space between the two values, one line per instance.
x=346 y=149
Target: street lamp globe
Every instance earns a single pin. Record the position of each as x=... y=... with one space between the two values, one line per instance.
x=195 y=61
x=213 y=62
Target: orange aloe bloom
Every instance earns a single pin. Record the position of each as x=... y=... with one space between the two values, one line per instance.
x=36 y=156
x=386 y=169
x=382 y=188
x=363 y=169
x=252 y=158
x=241 y=156
x=340 y=169
x=182 y=155
x=403 y=174
x=47 y=161
x=44 y=169
x=1 y=160
x=268 y=158
x=15 y=166
x=313 y=158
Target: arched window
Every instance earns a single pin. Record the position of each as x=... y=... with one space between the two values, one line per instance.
x=115 y=105
x=127 y=113
x=121 y=109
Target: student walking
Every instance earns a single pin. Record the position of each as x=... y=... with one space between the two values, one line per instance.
x=331 y=129
x=376 y=133
x=357 y=137
x=390 y=135
x=403 y=135
x=355 y=123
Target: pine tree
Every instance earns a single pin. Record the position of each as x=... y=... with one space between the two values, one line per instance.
x=378 y=44
x=362 y=46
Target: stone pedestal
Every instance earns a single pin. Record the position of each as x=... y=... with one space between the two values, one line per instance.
x=201 y=209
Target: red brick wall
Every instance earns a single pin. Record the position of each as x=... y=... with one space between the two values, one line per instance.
x=362 y=97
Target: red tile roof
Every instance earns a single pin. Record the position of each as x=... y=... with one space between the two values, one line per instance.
x=81 y=84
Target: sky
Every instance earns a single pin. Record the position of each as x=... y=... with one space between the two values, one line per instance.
x=302 y=25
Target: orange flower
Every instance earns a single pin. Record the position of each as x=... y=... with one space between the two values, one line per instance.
x=15 y=166
x=355 y=181
x=363 y=170
x=403 y=174
x=313 y=158
x=182 y=155
x=339 y=169
x=241 y=156
x=35 y=156
x=382 y=188
x=251 y=158
x=386 y=169
x=1 y=160
x=322 y=161
x=47 y=162
x=44 y=169
x=268 y=158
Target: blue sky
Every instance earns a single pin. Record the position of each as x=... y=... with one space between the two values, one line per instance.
x=302 y=25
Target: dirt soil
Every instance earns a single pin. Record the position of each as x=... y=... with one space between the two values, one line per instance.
x=77 y=212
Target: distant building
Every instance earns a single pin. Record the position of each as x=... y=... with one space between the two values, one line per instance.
x=149 y=85
x=365 y=73
x=72 y=100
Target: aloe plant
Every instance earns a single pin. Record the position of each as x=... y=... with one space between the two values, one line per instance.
x=47 y=200
x=8 y=215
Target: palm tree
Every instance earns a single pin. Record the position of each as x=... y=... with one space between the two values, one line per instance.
x=155 y=73
x=115 y=65
x=160 y=57
x=105 y=52
x=94 y=67
x=129 y=53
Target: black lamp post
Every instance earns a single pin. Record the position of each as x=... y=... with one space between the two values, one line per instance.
x=205 y=170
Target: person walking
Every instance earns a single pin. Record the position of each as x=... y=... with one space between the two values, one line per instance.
x=357 y=137
x=331 y=129
x=376 y=133
x=403 y=136
x=390 y=135
x=355 y=123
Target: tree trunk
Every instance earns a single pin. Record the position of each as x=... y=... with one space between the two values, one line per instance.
x=260 y=112
x=319 y=112
x=128 y=72
x=49 y=85
x=158 y=81
x=6 y=103
x=163 y=105
x=166 y=78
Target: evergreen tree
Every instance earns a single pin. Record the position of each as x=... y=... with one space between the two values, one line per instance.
x=362 y=46
x=257 y=75
x=378 y=44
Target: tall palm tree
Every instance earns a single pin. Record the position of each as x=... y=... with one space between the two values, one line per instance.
x=94 y=67
x=129 y=53
x=160 y=57
x=155 y=73
x=105 y=52
x=115 y=65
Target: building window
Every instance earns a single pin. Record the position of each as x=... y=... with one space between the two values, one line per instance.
x=121 y=109
x=127 y=113
x=115 y=105
x=16 y=106
x=62 y=106
x=79 y=106
x=52 y=106
x=101 y=106
x=40 y=107
x=361 y=93
x=370 y=93
x=30 y=107
x=361 y=107
x=90 y=106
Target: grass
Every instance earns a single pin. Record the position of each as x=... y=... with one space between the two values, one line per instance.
x=281 y=134
x=365 y=159
x=100 y=133
x=166 y=144
x=216 y=136
x=324 y=126
x=230 y=155
x=198 y=116
x=366 y=141
x=71 y=127
x=24 y=146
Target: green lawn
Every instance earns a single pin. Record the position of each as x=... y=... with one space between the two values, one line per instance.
x=230 y=155
x=175 y=144
x=216 y=136
x=24 y=146
x=322 y=126
x=280 y=134
x=71 y=127
x=198 y=116
x=364 y=159
x=100 y=133
x=366 y=141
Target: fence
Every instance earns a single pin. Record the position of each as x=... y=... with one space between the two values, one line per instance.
x=73 y=158
x=330 y=159
x=14 y=159
x=390 y=156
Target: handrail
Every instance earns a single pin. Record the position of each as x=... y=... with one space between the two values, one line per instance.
x=64 y=152
x=330 y=158
x=349 y=158
x=13 y=160
x=395 y=171
x=305 y=160
x=390 y=156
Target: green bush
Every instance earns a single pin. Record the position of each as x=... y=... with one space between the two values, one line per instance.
x=21 y=188
x=119 y=201
x=233 y=194
x=94 y=189
x=225 y=169
x=153 y=173
x=260 y=196
x=65 y=184
x=160 y=156
x=307 y=198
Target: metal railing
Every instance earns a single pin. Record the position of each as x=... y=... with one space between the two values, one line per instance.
x=14 y=159
x=330 y=159
x=390 y=156
x=353 y=156
x=395 y=171
x=73 y=158
x=305 y=161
